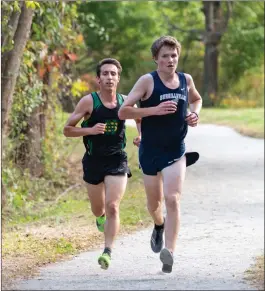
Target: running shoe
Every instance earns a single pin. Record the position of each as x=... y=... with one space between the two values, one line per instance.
x=157 y=240
x=166 y=257
x=104 y=261
x=100 y=221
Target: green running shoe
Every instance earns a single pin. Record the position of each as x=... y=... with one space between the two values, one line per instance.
x=104 y=261
x=100 y=221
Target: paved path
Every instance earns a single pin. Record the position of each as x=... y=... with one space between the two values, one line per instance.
x=222 y=228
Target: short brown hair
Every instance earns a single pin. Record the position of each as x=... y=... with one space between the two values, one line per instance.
x=165 y=41
x=108 y=61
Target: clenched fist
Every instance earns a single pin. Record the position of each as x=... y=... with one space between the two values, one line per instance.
x=137 y=141
x=98 y=128
x=192 y=119
x=167 y=107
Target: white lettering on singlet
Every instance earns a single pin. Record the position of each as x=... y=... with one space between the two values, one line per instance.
x=175 y=96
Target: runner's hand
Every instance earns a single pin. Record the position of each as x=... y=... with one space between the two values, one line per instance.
x=167 y=107
x=98 y=128
x=137 y=141
x=192 y=119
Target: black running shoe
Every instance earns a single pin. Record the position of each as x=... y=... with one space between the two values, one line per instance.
x=166 y=258
x=157 y=240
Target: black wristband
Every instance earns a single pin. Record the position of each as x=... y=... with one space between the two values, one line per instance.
x=195 y=114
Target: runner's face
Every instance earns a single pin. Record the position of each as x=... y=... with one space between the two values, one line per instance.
x=109 y=77
x=167 y=59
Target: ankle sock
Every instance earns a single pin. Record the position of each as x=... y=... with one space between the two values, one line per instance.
x=158 y=227
x=107 y=251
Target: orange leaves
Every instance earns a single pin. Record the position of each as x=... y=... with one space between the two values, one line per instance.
x=41 y=71
x=55 y=60
x=70 y=56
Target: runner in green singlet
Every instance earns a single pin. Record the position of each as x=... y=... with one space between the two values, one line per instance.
x=105 y=164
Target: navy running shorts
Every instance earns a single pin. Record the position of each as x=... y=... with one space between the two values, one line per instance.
x=154 y=161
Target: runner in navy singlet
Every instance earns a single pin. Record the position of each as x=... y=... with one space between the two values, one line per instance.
x=164 y=97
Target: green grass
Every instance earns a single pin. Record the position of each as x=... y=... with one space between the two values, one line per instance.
x=61 y=209
x=248 y=122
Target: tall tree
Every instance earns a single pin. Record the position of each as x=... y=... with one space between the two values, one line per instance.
x=46 y=53
x=216 y=21
x=18 y=24
x=12 y=61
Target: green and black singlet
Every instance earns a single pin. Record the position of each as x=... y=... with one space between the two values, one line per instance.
x=113 y=141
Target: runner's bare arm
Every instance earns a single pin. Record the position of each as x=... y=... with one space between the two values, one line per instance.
x=137 y=139
x=137 y=120
x=138 y=125
x=128 y=111
x=83 y=109
x=195 y=102
x=195 y=99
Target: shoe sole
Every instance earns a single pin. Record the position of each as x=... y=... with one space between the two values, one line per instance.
x=103 y=263
x=167 y=259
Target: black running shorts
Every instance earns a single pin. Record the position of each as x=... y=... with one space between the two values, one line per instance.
x=96 y=168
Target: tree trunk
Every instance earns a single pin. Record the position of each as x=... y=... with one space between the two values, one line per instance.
x=10 y=73
x=43 y=108
x=210 y=76
x=8 y=35
x=212 y=39
x=34 y=144
x=28 y=153
x=215 y=26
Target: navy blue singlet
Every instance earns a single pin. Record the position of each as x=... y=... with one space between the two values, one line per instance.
x=163 y=136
